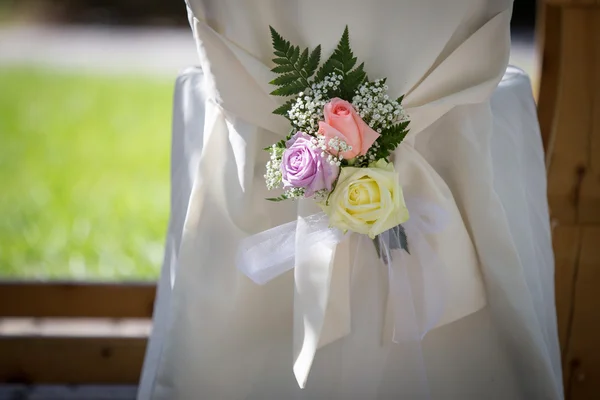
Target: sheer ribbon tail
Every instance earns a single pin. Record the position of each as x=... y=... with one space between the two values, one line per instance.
x=416 y=287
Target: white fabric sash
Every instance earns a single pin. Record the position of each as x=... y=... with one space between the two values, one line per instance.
x=445 y=260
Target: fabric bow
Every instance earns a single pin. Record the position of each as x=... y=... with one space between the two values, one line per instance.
x=415 y=284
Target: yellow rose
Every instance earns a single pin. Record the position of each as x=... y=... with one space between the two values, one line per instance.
x=367 y=200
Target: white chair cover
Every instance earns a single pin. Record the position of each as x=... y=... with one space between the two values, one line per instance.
x=218 y=335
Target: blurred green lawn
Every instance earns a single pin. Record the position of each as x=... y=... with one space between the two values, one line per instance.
x=84 y=174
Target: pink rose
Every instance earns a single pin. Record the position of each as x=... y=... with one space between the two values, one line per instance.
x=343 y=122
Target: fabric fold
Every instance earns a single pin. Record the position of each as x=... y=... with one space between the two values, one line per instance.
x=443 y=88
x=448 y=85
x=312 y=277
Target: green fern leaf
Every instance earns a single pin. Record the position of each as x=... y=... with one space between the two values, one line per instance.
x=403 y=125
x=282 y=61
x=277 y=199
x=343 y=51
x=279 y=43
x=282 y=69
x=342 y=62
x=355 y=78
x=337 y=64
x=294 y=67
x=295 y=54
x=290 y=89
x=313 y=61
x=301 y=65
x=326 y=69
x=390 y=139
x=285 y=79
x=284 y=108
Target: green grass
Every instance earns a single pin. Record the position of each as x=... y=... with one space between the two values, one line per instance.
x=84 y=174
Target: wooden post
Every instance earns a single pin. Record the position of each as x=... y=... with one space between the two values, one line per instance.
x=569 y=112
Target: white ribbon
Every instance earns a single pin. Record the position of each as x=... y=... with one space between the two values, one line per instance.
x=416 y=290
x=268 y=254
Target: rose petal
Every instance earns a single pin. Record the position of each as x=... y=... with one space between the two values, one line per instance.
x=330 y=132
x=369 y=136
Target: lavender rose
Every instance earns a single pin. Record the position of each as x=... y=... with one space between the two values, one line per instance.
x=304 y=165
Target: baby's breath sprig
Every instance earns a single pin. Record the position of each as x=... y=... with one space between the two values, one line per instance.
x=307 y=110
x=375 y=107
x=333 y=159
x=321 y=195
x=295 y=193
x=385 y=116
x=273 y=174
x=371 y=156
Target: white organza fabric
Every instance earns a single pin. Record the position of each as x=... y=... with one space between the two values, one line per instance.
x=473 y=151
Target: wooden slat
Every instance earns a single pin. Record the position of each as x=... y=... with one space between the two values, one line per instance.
x=574 y=3
x=30 y=299
x=566 y=243
x=75 y=327
x=548 y=33
x=70 y=360
x=569 y=156
x=584 y=345
x=589 y=206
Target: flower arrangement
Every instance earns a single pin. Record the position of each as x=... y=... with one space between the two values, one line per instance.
x=344 y=128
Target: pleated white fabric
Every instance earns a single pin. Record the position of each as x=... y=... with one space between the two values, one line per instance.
x=474 y=148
